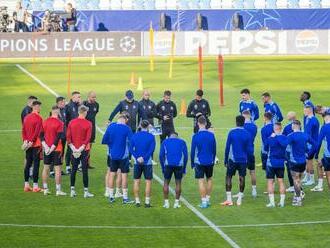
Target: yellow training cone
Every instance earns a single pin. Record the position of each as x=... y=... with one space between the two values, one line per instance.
x=93 y=62
x=140 y=84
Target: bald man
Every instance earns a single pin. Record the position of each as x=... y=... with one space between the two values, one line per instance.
x=291 y=116
x=147 y=108
x=93 y=109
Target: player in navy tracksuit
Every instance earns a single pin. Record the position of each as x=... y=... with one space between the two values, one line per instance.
x=311 y=129
x=173 y=157
x=266 y=131
x=296 y=149
x=324 y=138
x=248 y=104
x=251 y=164
x=272 y=107
x=238 y=149
x=276 y=145
x=117 y=137
x=203 y=152
x=142 y=146
x=291 y=116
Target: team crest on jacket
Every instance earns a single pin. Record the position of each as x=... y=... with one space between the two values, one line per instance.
x=163 y=108
x=134 y=106
x=126 y=107
x=171 y=108
x=195 y=106
x=73 y=109
x=94 y=109
x=203 y=106
x=149 y=107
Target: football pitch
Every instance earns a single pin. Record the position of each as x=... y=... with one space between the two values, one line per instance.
x=35 y=220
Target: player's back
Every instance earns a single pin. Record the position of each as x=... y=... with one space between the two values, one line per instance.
x=297 y=146
x=240 y=140
x=52 y=126
x=174 y=151
x=206 y=146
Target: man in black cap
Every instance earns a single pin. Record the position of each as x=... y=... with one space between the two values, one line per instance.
x=93 y=109
x=130 y=106
x=166 y=112
x=28 y=108
x=199 y=107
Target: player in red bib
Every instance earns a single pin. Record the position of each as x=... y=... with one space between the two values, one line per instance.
x=78 y=137
x=51 y=140
x=32 y=127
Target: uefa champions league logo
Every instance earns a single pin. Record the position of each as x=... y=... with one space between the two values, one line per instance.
x=127 y=44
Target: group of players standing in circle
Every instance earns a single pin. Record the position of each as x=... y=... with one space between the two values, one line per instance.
x=131 y=139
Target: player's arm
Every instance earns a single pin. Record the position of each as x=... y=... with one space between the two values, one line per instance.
x=208 y=109
x=193 y=151
x=185 y=157
x=319 y=142
x=37 y=130
x=150 y=150
x=132 y=148
x=283 y=141
x=190 y=110
x=115 y=112
x=106 y=136
x=159 y=112
x=154 y=110
x=214 y=148
x=256 y=111
x=228 y=144
x=162 y=156
x=175 y=112
x=278 y=113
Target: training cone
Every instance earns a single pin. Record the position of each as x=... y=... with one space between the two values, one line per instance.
x=133 y=79
x=93 y=62
x=183 y=109
x=140 y=84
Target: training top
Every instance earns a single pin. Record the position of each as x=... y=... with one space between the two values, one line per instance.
x=311 y=128
x=71 y=111
x=203 y=148
x=266 y=131
x=324 y=138
x=273 y=108
x=166 y=109
x=297 y=147
x=199 y=106
x=252 y=130
x=117 y=137
x=93 y=109
x=132 y=108
x=53 y=132
x=174 y=153
x=142 y=145
x=276 y=150
x=147 y=111
x=287 y=129
x=26 y=110
x=238 y=145
x=251 y=106
x=32 y=127
x=79 y=133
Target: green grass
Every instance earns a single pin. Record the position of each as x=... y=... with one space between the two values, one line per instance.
x=283 y=77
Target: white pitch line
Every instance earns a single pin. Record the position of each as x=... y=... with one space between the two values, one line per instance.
x=10 y=130
x=167 y=227
x=231 y=242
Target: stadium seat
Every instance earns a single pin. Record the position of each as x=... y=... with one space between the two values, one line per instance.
x=260 y=4
x=325 y=3
x=160 y=4
x=149 y=4
x=204 y=4
x=282 y=4
x=115 y=4
x=238 y=4
x=315 y=4
x=304 y=4
x=293 y=4
x=171 y=4
x=271 y=4
x=226 y=4
x=128 y=4
x=248 y=4
x=104 y=4
x=215 y=4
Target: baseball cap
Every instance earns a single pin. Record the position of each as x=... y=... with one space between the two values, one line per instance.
x=129 y=94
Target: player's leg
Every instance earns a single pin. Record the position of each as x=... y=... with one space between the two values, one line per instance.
x=309 y=180
x=291 y=188
x=68 y=161
x=36 y=152
x=231 y=170
x=280 y=176
x=270 y=175
x=137 y=179
x=147 y=172
x=84 y=167
x=199 y=175
x=296 y=201
x=209 y=183
x=106 y=179
x=45 y=175
x=118 y=185
x=58 y=174
x=320 y=172
x=251 y=166
x=75 y=163
x=27 y=166
x=242 y=175
x=124 y=167
x=167 y=179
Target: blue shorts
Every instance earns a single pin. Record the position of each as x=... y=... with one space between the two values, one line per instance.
x=311 y=154
x=142 y=168
x=202 y=171
x=251 y=164
x=264 y=158
x=176 y=170
x=271 y=172
x=326 y=164
x=232 y=167
x=300 y=168
x=115 y=165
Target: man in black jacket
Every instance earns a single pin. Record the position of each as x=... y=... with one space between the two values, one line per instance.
x=147 y=108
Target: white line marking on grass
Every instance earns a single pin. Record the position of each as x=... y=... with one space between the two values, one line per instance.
x=184 y=201
x=167 y=227
x=10 y=130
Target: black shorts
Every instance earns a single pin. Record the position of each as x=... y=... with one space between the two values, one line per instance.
x=300 y=168
x=326 y=163
x=251 y=164
x=264 y=158
x=170 y=170
x=33 y=154
x=122 y=164
x=54 y=158
x=271 y=172
x=202 y=171
x=311 y=154
x=232 y=167
x=142 y=168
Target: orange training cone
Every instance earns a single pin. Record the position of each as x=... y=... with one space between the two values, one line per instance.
x=183 y=109
x=133 y=79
